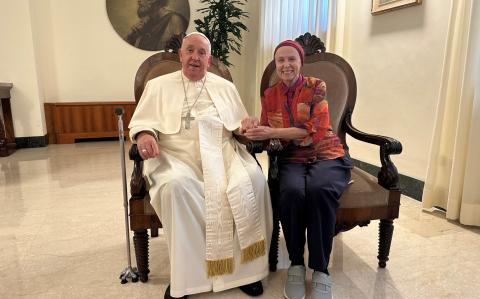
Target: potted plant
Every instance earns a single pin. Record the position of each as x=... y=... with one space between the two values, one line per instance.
x=223 y=26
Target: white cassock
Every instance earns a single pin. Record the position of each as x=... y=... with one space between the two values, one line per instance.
x=178 y=179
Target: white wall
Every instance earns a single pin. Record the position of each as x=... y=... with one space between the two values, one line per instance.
x=18 y=66
x=91 y=61
x=244 y=66
x=77 y=55
x=397 y=58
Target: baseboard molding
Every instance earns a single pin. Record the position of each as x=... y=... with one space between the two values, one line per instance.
x=410 y=187
x=31 y=141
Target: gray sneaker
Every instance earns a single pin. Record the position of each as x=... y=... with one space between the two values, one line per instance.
x=321 y=286
x=295 y=285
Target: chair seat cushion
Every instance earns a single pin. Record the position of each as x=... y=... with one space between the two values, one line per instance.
x=364 y=192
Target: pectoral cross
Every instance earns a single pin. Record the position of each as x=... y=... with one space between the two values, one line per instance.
x=187 y=118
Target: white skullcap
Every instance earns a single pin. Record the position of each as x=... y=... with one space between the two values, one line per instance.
x=202 y=35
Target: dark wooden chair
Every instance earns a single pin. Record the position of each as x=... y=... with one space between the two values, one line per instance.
x=368 y=197
x=142 y=214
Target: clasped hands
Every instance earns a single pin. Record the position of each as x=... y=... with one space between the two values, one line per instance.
x=253 y=131
x=148 y=147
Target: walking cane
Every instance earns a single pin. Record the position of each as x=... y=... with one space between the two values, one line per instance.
x=129 y=272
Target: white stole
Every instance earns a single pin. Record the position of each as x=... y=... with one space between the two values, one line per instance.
x=227 y=204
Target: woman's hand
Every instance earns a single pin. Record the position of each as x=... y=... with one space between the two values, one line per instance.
x=249 y=123
x=260 y=133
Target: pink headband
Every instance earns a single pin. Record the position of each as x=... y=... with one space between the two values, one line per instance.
x=293 y=44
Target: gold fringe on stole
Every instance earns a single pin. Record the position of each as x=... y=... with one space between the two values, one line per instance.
x=253 y=251
x=220 y=267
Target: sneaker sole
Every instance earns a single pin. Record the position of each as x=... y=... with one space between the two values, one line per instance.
x=285 y=295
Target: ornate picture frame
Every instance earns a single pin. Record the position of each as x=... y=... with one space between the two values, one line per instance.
x=382 y=6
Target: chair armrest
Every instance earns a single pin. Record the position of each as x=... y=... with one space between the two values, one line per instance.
x=242 y=139
x=253 y=146
x=257 y=146
x=137 y=182
x=388 y=175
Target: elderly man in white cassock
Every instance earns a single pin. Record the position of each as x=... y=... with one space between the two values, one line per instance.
x=208 y=191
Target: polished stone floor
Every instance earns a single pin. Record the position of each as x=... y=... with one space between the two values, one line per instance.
x=62 y=236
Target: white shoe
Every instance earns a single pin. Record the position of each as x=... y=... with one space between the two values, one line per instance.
x=321 y=286
x=295 y=285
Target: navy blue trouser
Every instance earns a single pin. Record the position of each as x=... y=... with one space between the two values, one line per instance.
x=308 y=200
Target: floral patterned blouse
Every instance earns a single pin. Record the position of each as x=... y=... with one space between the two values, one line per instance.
x=303 y=105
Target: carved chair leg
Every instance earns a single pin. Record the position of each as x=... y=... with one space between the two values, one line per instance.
x=273 y=253
x=384 y=242
x=140 y=240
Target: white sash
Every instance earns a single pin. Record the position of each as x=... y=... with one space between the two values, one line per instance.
x=227 y=203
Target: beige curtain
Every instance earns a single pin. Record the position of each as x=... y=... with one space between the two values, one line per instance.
x=452 y=177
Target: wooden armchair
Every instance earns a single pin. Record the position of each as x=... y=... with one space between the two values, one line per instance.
x=368 y=197
x=142 y=214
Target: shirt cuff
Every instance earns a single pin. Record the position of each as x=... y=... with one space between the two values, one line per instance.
x=307 y=140
x=134 y=135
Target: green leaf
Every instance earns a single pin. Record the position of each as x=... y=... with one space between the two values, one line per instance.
x=222 y=24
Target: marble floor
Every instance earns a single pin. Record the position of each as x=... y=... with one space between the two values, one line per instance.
x=62 y=236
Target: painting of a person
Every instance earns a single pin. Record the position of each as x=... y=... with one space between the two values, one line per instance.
x=157 y=24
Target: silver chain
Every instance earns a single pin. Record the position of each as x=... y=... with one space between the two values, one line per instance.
x=185 y=100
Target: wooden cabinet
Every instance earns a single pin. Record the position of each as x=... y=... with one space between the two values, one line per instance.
x=67 y=122
x=7 y=135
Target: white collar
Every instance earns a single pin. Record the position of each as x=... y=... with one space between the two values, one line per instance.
x=196 y=82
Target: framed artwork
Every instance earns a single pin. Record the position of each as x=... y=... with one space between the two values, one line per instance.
x=382 y=6
x=148 y=24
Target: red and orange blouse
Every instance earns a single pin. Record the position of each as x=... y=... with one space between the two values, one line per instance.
x=302 y=105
